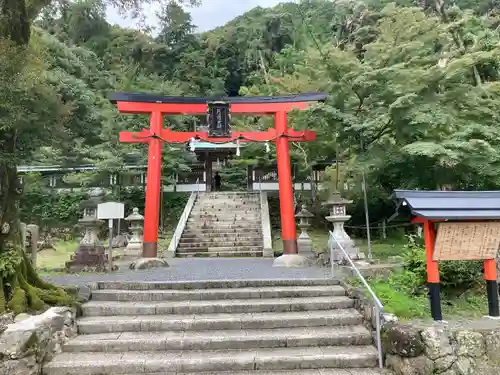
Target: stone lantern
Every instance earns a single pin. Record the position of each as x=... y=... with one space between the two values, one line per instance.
x=90 y=252
x=338 y=217
x=304 y=242
x=136 y=220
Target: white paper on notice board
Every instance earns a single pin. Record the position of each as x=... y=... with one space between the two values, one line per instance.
x=110 y=210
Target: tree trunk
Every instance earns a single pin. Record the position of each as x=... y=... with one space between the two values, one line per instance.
x=21 y=289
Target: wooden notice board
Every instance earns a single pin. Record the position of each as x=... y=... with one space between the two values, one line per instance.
x=467 y=241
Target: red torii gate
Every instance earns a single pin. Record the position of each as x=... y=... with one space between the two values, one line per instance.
x=157 y=106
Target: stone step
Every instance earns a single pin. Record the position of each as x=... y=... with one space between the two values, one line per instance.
x=220 y=249
x=227 y=339
x=212 y=284
x=241 y=212
x=189 y=232
x=207 y=244
x=225 y=215
x=212 y=360
x=242 y=204
x=213 y=203
x=216 y=322
x=229 y=193
x=225 y=254
x=219 y=239
x=226 y=220
x=216 y=294
x=238 y=225
x=240 y=208
x=323 y=371
x=234 y=198
x=108 y=308
x=215 y=229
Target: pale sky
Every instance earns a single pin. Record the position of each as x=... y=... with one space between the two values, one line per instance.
x=210 y=14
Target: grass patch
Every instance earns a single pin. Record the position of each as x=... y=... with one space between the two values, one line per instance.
x=471 y=304
x=381 y=249
x=404 y=293
x=57 y=257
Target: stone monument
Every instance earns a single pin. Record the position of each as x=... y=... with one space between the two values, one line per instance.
x=90 y=254
x=34 y=236
x=338 y=217
x=304 y=242
x=134 y=246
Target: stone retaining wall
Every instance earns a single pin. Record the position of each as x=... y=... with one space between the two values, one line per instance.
x=366 y=307
x=26 y=342
x=459 y=348
x=430 y=348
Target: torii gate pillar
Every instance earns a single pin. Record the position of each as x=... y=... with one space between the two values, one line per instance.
x=289 y=232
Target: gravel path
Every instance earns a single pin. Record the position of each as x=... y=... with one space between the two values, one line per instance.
x=200 y=269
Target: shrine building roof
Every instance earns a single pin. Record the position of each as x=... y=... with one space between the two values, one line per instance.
x=153 y=98
x=449 y=205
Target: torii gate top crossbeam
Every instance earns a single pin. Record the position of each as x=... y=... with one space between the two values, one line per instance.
x=262 y=105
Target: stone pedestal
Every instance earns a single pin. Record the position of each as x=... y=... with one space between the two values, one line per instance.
x=304 y=242
x=135 y=244
x=90 y=254
x=338 y=217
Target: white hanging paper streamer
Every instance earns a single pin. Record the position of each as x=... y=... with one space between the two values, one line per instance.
x=238 y=147
x=267 y=147
x=192 y=145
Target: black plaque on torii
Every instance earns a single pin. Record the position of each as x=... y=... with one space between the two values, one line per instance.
x=219 y=117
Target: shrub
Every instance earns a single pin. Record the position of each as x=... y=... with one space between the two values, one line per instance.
x=455 y=276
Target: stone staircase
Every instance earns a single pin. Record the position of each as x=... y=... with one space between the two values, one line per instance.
x=223 y=225
x=240 y=327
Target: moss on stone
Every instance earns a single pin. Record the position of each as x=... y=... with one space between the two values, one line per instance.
x=31 y=344
x=3 y=302
x=30 y=292
x=18 y=302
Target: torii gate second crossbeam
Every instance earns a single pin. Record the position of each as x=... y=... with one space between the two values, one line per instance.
x=158 y=106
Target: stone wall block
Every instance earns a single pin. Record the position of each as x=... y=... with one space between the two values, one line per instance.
x=403 y=340
x=492 y=341
x=410 y=366
x=24 y=366
x=444 y=364
x=437 y=342
x=464 y=366
x=29 y=341
x=470 y=344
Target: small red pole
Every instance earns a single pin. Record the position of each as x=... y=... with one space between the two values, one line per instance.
x=152 y=210
x=432 y=271
x=490 y=275
x=288 y=230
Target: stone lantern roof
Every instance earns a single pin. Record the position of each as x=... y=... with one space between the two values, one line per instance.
x=304 y=213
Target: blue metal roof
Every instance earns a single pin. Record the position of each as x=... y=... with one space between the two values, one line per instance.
x=450 y=205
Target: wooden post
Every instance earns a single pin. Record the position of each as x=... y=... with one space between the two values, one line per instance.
x=490 y=275
x=432 y=271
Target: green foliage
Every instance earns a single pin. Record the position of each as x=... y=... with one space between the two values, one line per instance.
x=404 y=293
x=62 y=210
x=9 y=262
x=455 y=276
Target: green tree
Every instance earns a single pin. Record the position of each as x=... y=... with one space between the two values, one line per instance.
x=39 y=107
